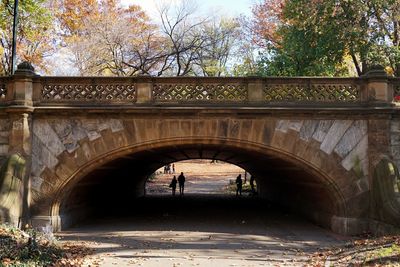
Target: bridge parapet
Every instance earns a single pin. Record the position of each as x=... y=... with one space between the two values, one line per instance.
x=4 y=82
x=208 y=91
x=201 y=91
x=395 y=83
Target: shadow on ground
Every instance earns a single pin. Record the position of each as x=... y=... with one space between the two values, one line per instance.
x=199 y=227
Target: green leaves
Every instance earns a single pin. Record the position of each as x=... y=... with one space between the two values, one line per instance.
x=317 y=37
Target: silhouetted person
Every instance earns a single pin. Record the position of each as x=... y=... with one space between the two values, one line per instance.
x=181 y=181
x=253 y=190
x=239 y=185
x=173 y=168
x=173 y=185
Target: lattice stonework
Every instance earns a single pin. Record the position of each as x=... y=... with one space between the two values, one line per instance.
x=90 y=92
x=311 y=93
x=3 y=90
x=396 y=89
x=203 y=92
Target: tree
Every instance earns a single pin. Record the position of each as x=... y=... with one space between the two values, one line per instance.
x=221 y=38
x=34 y=35
x=315 y=37
x=107 y=39
x=183 y=39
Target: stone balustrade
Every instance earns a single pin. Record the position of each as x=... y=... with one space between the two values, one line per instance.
x=237 y=91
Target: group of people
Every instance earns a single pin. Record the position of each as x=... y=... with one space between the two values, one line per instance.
x=181 y=181
x=168 y=169
x=239 y=185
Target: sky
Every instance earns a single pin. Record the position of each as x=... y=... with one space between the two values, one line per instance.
x=228 y=7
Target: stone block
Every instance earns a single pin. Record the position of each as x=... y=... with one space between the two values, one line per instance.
x=245 y=129
x=116 y=125
x=256 y=131
x=395 y=126
x=322 y=130
x=222 y=128
x=395 y=138
x=334 y=134
x=48 y=137
x=234 y=127
x=42 y=153
x=130 y=129
x=36 y=182
x=295 y=125
x=349 y=226
x=358 y=157
x=4 y=125
x=395 y=151
x=282 y=125
x=4 y=137
x=4 y=149
x=308 y=129
x=351 y=138
x=268 y=131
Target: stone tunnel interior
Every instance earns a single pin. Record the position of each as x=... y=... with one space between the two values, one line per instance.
x=117 y=186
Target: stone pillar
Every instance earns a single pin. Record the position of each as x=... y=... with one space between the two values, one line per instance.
x=379 y=90
x=20 y=109
x=255 y=89
x=144 y=90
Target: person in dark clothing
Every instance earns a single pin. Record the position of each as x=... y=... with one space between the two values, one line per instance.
x=173 y=185
x=181 y=181
x=252 y=178
x=239 y=185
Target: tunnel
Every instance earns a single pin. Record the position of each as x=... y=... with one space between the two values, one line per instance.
x=115 y=184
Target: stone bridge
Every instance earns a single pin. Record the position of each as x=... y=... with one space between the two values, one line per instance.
x=327 y=148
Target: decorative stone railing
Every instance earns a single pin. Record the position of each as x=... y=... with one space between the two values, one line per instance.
x=86 y=90
x=396 y=86
x=190 y=90
x=4 y=81
x=30 y=89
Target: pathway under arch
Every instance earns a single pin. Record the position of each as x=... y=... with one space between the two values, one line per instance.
x=114 y=181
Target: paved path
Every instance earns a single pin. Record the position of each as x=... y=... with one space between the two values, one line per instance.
x=199 y=230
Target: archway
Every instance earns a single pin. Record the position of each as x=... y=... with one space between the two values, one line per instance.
x=112 y=181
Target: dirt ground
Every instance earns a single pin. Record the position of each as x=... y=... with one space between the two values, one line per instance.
x=202 y=177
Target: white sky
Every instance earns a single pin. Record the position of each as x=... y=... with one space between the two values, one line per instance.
x=224 y=7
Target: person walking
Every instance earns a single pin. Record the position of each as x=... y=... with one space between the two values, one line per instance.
x=239 y=185
x=181 y=181
x=253 y=190
x=173 y=185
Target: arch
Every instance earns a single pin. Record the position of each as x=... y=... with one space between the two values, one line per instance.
x=264 y=139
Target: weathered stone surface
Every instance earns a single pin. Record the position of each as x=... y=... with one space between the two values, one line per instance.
x=395 y=151
x=234 y=127
x=4 y=149
x=308 y=129
x=350 y=139
x=282 y=125
x=36 y=183
x=322 y=130
x=295 y=125
x=4 y=137
x=116 y=125
x=334 y=134
x=42 y=154
x=395 y=138
x=48 y=137
x=268 y=131
x=358 y=157
x=395 y=126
